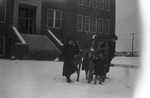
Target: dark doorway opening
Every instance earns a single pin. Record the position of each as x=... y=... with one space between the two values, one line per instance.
x=26 y=19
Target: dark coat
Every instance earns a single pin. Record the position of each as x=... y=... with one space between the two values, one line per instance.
x=112 y=46
x=99 y=66
x=111 y=54
x=68 y=53
x=86 y=61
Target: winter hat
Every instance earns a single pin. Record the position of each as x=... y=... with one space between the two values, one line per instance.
x=69 y=38
x=114 y=37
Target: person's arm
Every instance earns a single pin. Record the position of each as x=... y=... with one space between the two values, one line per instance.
x=63 y=52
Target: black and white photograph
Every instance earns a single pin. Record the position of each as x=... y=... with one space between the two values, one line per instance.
x=74 y=48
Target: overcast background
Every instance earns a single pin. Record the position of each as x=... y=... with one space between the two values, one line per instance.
x=127 y=22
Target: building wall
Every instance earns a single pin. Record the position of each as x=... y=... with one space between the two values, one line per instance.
x=4 y=26
x=70 y=9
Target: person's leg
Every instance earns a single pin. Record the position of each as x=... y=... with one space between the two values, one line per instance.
x=107 y=68
x=86 y=74
x=68 y=79
x=103 y=78
x=100 y=79
x=95 y=79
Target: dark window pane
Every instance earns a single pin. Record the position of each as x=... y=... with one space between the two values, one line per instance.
x=87 y=2
x=1 y=51
x=50 y=22
x=1 y=41
x=2 y=16
x=58 y=15
x=2 y=10
x=23 y=12
x=50 y=13
x=79 y=26
x=57 y=24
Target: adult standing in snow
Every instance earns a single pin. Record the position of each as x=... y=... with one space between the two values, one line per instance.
x=70 y=51
x=111 y=53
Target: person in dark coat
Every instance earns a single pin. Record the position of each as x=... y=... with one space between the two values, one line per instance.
x=70 y=51
x=111 y=53
x=99 y=67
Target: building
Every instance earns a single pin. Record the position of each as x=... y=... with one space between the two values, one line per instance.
x=24 y=23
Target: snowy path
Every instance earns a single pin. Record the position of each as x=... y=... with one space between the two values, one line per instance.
x=42 y=79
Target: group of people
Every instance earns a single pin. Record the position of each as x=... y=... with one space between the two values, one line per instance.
x=101 y=65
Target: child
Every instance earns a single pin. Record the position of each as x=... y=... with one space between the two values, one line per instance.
x=99 y=67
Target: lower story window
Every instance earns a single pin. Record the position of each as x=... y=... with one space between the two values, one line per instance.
x=87 y=24
x=107 y=26
x=2 y=45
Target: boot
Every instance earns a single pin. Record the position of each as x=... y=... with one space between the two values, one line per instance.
x=103 y=78
x=95 y=79
x=100 y=79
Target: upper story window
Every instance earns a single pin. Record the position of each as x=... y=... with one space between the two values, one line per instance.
x=88 y=3
x=107 y=5
x=79 y=22
x=87 y=24
x=54 y=18
x=100 y=25
x=107 y=26
x=93 y=25
x=2 y=11
x=2 y=45
x=101 y=4
x=94 y=3
x=80 y=2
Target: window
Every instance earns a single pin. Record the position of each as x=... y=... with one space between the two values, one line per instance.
x=107 y=5
x=79 y=23
x=100 y=25
x=2 y=11
x=94 y=25
x=86 y=24
x=88 y=3
x=80 y=2
x=94 y=3
x=54 y=18
x=107 y=26
x=2 y=45
x=101 y=4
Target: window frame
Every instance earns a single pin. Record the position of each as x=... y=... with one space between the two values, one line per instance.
x=54 y=18
x=3 y=46
x=85 y=24
x=94 y=24
x=107 y=4
x=89 y=3
x=80 y=23
x=81 y=3
x=93 y=4
x=103 y=4
x=102 y=26
x=107 y=28
x=4 y=21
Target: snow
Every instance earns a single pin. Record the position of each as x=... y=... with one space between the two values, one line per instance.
x=127 y=60
x=43 y=79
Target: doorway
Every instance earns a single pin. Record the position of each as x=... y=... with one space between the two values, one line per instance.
x=26 y=19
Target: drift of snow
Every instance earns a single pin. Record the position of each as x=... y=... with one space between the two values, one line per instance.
x=43 y=79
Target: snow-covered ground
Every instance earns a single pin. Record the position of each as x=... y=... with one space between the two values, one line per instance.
x=43 y=79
